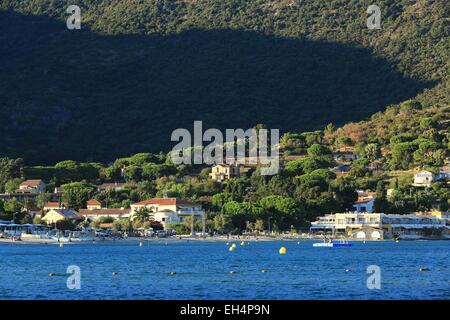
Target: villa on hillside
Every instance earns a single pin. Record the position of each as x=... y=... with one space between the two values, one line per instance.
x=365 y=202
x=345 y=154
x=116 y=186
x=222 y=172
x=32 y=186
x=425 y=178
x=93 y=204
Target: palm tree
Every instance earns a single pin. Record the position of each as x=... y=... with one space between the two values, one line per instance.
x=143 y=215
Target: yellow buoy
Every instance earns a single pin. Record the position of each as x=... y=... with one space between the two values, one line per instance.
x=61 y=245
x=282 y=250
x=234 y=245
x=242 y=243
x=231 y=248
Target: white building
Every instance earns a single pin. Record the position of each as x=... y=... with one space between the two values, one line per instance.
x=425 y=178
x=94 y=214
x=56 y=215
x=365 y=202
x=364 y=205
x=379 y=225
x=93 y=204
x=50 y=205
x=32 y=186
x=170 y=210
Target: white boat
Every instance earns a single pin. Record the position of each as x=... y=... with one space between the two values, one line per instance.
x=331 y=244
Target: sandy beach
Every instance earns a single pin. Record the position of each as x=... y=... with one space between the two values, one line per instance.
x=30 y=239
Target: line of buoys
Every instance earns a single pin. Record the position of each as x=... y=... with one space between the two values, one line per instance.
x=282 y=250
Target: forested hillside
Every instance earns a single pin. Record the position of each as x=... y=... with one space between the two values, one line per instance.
x=140 y=69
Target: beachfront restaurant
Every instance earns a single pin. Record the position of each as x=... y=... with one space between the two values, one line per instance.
x=415 y=226
x=14 y=231
x=374 y=226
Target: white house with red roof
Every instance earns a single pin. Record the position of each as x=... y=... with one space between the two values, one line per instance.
x=32 y=186
x=94 y=214
x=364 y=205
x=365 y=202
x=50 y=205
x=93 y=204
x=169 y=210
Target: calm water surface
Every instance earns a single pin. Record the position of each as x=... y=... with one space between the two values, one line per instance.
x=203 y=271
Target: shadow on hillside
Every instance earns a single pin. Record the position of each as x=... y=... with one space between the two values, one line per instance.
x=85 y=96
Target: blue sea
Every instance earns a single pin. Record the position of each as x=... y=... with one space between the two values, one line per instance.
x=207 y=270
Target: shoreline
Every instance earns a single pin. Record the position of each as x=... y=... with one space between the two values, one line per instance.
x=33 y=240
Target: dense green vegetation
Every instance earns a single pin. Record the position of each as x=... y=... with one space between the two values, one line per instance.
x=391 y=146
x=139 y=69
